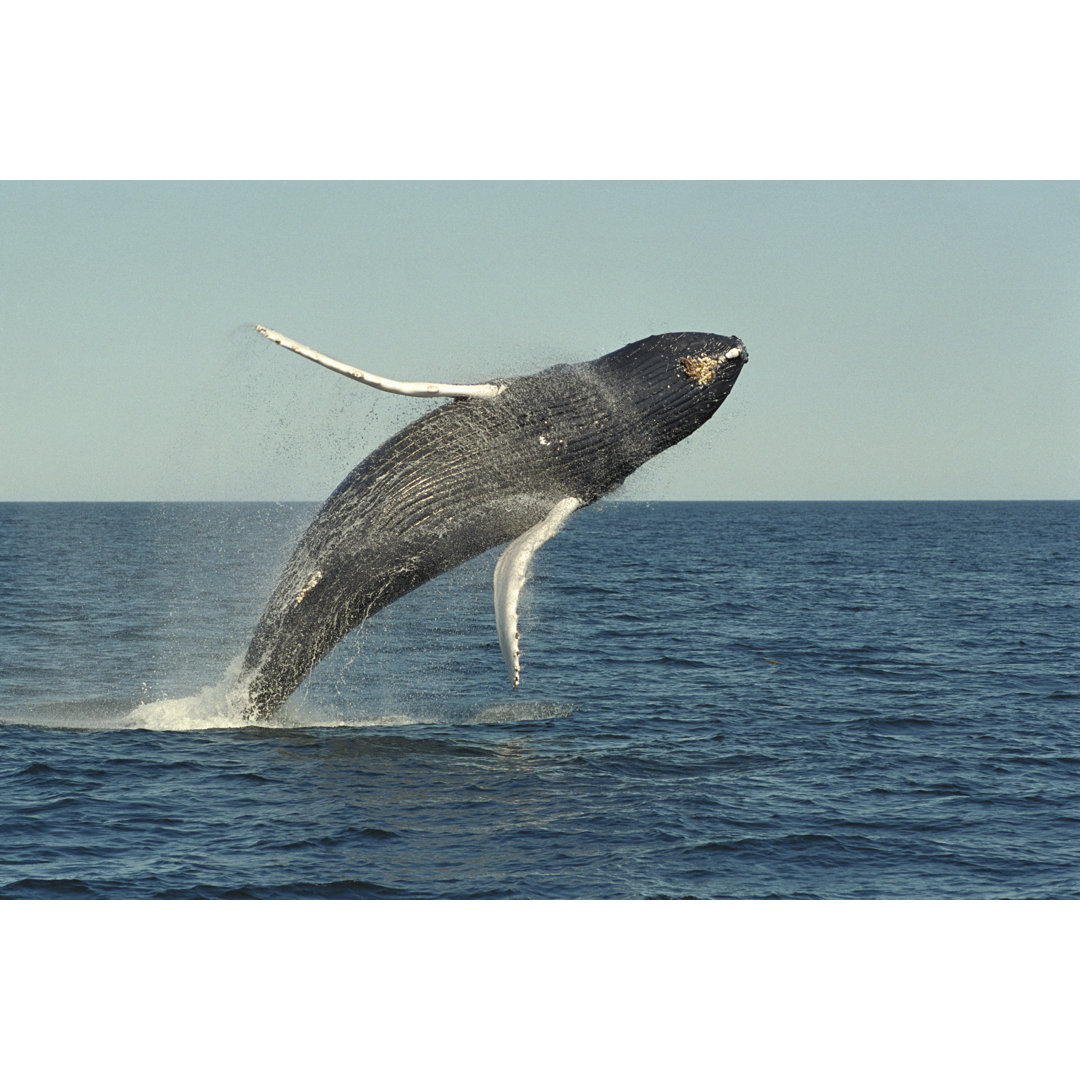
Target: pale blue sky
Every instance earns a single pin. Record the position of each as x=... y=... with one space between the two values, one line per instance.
x=907 y=340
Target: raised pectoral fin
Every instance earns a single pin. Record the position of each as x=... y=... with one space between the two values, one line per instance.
x=392 y=386
x=511 y=572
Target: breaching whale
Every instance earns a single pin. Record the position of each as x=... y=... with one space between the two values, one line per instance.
x=504 y=462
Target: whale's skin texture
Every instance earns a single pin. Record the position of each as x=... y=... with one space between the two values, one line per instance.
x=473 y=474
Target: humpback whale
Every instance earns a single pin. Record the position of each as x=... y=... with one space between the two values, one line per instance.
x=503 y=462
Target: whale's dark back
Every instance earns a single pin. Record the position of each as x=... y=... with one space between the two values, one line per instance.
x=464 y=478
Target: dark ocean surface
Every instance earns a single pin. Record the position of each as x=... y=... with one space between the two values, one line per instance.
x=750 y=700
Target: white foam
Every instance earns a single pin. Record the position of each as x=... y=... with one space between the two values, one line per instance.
x=210 y=708
x=221 y=706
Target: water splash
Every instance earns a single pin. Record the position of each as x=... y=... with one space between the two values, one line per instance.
x=221 y=707
x=213 y=707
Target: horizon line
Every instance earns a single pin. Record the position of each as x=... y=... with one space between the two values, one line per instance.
x=608 y=500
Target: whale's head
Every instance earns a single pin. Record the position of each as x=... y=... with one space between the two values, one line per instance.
x=670 y=384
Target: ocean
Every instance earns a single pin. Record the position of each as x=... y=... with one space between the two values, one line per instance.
x=718 y=700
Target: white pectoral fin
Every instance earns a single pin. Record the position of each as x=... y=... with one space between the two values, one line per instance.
x=511 y=572
x=392 y=386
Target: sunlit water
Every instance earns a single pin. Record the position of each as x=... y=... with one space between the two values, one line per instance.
x=717 y=700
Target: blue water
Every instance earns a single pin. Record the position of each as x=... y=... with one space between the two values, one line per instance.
x=718 y=700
